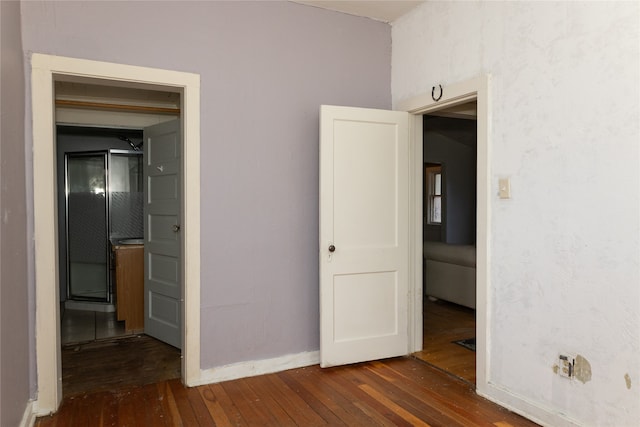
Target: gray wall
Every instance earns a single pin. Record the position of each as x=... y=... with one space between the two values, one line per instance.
x=265 y=68
x=452 y=143
x=14 y=305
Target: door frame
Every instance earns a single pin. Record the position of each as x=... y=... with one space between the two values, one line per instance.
x=459 y=93
x=45 y=70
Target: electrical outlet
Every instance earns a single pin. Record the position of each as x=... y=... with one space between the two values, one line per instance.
x=566 y=365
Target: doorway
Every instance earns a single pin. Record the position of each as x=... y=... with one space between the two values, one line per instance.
x=102 y=139
x=473 y=90
x=105 y=343
x=449 y=235
x=46 y=70
x=405 y=160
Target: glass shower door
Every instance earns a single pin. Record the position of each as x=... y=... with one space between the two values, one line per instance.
x=125 y=192
x=87 y=213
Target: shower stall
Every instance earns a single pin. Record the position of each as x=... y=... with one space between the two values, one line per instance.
x=104 y=203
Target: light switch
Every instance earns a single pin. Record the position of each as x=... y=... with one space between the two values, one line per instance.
x=504 y=188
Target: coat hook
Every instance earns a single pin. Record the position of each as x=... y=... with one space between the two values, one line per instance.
x=433 y=93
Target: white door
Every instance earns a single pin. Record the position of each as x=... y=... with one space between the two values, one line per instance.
x=162 y=247
x=364 y=234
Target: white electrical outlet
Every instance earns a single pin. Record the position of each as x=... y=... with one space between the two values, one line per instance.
x=567 y=363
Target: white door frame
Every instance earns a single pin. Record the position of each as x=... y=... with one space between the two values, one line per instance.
x=45 y=70
x=455 y=94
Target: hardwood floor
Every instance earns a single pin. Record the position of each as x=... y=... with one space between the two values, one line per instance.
x=444 y=323
x=105 y=365
x=134 y=382
x=400 y=392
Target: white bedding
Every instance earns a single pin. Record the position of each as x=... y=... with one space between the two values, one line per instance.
x=450 y=272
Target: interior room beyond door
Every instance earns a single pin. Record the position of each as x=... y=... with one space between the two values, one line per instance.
x=449 y=247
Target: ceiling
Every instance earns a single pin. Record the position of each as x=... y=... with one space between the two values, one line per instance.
x=381 y=10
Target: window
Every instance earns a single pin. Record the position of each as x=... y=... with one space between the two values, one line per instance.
x=433 y=193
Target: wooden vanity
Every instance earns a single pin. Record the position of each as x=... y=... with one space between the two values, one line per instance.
x=129 y=265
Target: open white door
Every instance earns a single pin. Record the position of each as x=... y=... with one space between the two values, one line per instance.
x=162 y=278
x=364 y=234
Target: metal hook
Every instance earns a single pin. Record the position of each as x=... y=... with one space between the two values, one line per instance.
x=433 y=93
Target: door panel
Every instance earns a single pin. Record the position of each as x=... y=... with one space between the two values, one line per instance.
x=355 y=296
x=161 y=231
x=163 y=240
x=164 y=309
x=164 y=272
x=163 y=187
x=167 y=147
x=364 y=217
x=355 y=173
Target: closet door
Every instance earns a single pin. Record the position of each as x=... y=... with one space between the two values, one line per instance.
x=163 y=239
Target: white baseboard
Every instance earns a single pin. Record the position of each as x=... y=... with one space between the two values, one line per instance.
x=257 y=367
x=29 y=416
x=526 y=408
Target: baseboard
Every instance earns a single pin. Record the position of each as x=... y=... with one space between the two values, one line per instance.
x=257 y=367
x=29 y=416
x=528 y=409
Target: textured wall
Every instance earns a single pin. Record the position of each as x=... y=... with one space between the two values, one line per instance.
x=14 y=306
x=265 y=68
x=565 y=250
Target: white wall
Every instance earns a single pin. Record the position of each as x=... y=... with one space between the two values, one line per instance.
x=565 y=250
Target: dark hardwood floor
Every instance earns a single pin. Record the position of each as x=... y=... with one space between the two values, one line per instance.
x=113 y=363
x=444 y=323
x=400 y=392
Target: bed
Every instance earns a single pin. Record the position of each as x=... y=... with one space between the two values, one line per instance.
x=450 y=273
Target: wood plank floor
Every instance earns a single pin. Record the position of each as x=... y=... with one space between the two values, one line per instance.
x=444 y=323
x=133 y=382
x=398 y=392
x=109 y=364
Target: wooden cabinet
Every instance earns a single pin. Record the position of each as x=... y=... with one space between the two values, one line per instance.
x=129 y=261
